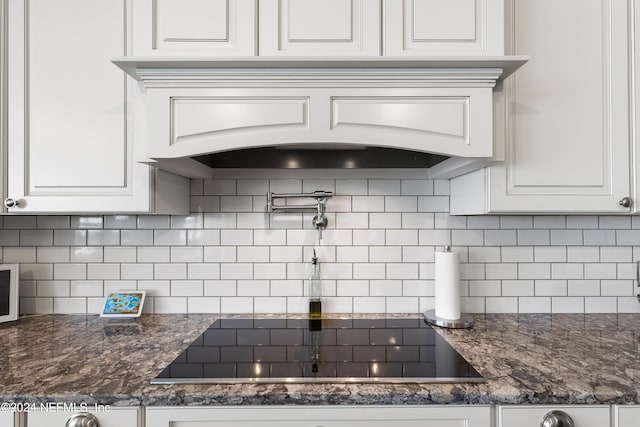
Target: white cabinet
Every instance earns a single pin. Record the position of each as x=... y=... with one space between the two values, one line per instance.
x=71 y=145
x=532 y=415
x=7 y=419
x=436 y=27
x=567 y=133
x=328 y=416
x=111 y=417
x=326 y=28
x=626 y=416
x=195 y=27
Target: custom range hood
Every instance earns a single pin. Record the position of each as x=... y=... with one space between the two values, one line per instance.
x=203 y=115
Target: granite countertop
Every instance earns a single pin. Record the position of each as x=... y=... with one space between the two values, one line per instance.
x=527 y=359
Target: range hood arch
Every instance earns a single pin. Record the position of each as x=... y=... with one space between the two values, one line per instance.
x=194 y=107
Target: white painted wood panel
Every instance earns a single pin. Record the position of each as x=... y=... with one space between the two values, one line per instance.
x=205 y=118
x=635 y=107
x=3 y=104
x=114 y=417
x=312 y=28
x=70 y=116
x=443 y=27
x=7 y=419
x=568 y=136
x=532 y=415
x=626 y=416
x=190 y=122
x=195 y=27
x=331 y=416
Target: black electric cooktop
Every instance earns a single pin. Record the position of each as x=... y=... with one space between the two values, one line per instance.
x=318 y=350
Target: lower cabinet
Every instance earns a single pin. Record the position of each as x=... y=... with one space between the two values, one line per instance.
x=7 y=419
x=111 y=417
x=332 y=416
x=556 y=415
x=626 y=416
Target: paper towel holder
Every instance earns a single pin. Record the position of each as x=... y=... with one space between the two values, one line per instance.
x=464 y=322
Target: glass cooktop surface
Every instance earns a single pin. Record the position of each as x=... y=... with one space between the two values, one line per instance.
x=318 y=350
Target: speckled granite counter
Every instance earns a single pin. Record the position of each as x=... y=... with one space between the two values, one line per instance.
x=533 y=359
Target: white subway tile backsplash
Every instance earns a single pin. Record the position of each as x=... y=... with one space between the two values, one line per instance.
x=154 y=254
x=352 y=220
x=52 y=222
x=433 y=203
x=21 y=254
x=619 y=288
x=583 y=288
x=567 y=304
x=582 y=221
x=36 y=237
x=352 y=254
x=235 y=237
x=600 y=271
x=103 y=237
x=219 y=187
x=119 y=222
x=385 y=220
x=516 y=222
x=377 y=255
x=416 y=187
x=615 y=222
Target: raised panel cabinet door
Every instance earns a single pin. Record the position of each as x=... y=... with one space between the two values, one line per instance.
x=626 y=416
x=443 y=27
x=195 y=27
x=328 y=416
x=57 y=416
x=319 y=28
x=7 y=419
x=70 y=138
x=567 y=146
x=533 y=415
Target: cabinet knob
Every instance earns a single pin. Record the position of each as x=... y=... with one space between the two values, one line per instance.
x=82 y=420
x=557 y=419
x=11 y=203
x=626 y=202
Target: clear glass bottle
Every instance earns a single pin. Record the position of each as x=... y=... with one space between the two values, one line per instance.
x=315 y=289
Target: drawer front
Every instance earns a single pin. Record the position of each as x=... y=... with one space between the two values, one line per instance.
x=532 y=416
x=113 y=417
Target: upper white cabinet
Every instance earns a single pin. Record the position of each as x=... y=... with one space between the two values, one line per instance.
x=567 y=133
x=443 y=27
x=70 y=137
x=327 y=27
x=195 y=27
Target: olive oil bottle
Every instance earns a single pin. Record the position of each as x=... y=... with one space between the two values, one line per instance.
x=315 y=289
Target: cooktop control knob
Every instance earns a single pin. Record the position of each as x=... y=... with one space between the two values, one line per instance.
x=82 y=420
x=556 y=419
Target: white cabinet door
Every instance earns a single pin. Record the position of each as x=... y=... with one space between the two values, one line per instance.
x=626 y=416
x=532 y=415
x=195 y=27
x=328 y=416
x=635 y=134
x=7 y=419
x=567 y=144
x=112 y=417
x=325 y=28
x=443 y=27
x=70 y=119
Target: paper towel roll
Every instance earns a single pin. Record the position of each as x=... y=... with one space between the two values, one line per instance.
x=447 y=281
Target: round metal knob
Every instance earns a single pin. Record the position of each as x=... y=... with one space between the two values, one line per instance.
x=557 y=419
x=82 y=420
x=626 y=202
x=11 y=203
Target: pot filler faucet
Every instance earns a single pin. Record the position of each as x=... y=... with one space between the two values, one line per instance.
x=319 y=221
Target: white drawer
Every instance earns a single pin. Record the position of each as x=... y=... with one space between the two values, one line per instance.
x=113 y=417
x=532 y=415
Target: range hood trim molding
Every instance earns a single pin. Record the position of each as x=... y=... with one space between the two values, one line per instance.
x=446 y=70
